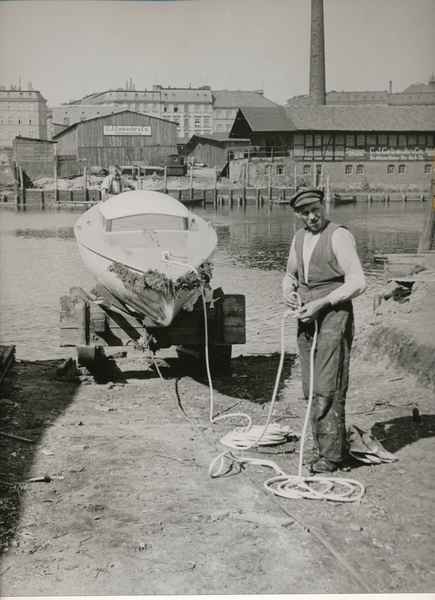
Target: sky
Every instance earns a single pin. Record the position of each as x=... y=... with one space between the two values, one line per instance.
x=70 y=48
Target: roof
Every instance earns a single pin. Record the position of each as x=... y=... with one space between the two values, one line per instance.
x=420 y=88
x=239 y=99
x=115 y=114
x=140 y=202
x=220 y=138
x=361 y=118
x=262 y=120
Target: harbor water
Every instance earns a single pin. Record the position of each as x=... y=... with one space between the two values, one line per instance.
x=39 y=263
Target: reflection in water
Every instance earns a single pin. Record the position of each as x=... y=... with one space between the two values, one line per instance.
x=63 y=233
x=40 y=263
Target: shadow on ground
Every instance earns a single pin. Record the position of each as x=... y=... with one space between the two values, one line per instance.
x=32 y=396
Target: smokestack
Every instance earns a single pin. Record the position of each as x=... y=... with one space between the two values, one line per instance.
x=391 y=87
x=317 y=94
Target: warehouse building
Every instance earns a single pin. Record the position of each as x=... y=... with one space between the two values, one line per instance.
x=356 y=146
x=124 y=138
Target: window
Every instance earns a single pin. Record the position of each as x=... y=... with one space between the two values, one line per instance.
x=360 y=169
x=280 y=170
x=393 y=140
x=349 y=169
x=10 y=120
x=31 y=120
x=82 y=118
x=206 y=122
x=31 y=106
x=360 y=140
x=20 y=134
x=382 y=140
x=20 y=120
x=175 y=108
x=219 y=128
x=402 y=169
x=20 y=106
x=228 y=114
x=422 y=140
x=307 y=170
x=32 y=134
x=155 y=108
x=2 y=135
x=66 y=120
x=412 y=140
x=228 y=128
x=10 y=106
x=198 y=122
x=11 y=135
x=391 y=169
x=219 y=114
x=428 y=168
x=2 y=121
x=318 y=140
x=350 y=141
x=402 y=140
x=308 y=140
x=371 y=140
x=165 y=109
x=186 y=123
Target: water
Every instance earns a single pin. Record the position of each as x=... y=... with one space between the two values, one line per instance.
x=39 y=263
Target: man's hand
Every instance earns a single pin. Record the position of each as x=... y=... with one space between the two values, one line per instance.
x=291 y=299
x=311 y=310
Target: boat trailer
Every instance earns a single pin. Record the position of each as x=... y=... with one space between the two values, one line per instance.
x=94 y=320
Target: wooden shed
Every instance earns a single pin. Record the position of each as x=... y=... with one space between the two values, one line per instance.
x=122 y=138
x=214 y=150
x=35 y=157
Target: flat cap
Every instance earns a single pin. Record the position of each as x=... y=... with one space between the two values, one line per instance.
x=306 y=196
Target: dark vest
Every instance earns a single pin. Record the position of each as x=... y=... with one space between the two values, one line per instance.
x=324 y=272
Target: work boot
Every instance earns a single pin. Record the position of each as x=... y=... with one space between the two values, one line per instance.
x=323 y=465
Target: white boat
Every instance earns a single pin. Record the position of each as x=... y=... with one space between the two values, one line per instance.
x=147 y=249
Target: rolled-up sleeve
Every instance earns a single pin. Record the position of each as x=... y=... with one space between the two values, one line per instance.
x=344 y=248
x=290 y=282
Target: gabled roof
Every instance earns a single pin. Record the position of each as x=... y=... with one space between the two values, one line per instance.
x=239 y=99
x=259 y=120
x=115 y=114
x=220 y=138
x=362 y=118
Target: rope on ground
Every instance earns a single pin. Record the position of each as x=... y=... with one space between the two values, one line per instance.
x=286 y=486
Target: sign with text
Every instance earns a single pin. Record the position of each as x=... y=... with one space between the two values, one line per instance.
x=389 y=153
x=126 y=130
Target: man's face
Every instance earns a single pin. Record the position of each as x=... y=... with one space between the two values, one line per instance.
x=313 y=215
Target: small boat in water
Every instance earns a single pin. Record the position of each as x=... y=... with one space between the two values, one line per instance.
x=344 y=198
x=149 y=251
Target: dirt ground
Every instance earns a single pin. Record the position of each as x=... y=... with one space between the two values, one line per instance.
x=129 y=507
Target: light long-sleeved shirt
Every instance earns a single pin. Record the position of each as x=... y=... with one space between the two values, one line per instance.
x=344 y=248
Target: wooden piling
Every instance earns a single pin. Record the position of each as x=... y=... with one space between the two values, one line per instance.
x=428 y=233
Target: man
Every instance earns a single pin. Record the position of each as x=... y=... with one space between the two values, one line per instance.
x=325 y=270
x=114 y=183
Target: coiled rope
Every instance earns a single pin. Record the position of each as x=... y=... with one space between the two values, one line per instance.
x=245 y=438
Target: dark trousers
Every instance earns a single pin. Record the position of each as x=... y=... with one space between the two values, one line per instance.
x=331 y=376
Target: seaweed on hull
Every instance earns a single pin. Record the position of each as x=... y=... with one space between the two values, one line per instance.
x=154 y=280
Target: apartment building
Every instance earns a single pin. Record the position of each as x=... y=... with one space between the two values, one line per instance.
x=22 y=113
x=196 y=111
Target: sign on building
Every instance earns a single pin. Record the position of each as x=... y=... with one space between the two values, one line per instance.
x=126 y=130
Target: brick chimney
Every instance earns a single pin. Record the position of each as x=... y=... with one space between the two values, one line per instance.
x=317 y=93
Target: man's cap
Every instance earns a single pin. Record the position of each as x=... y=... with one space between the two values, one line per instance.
x=306 y=196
